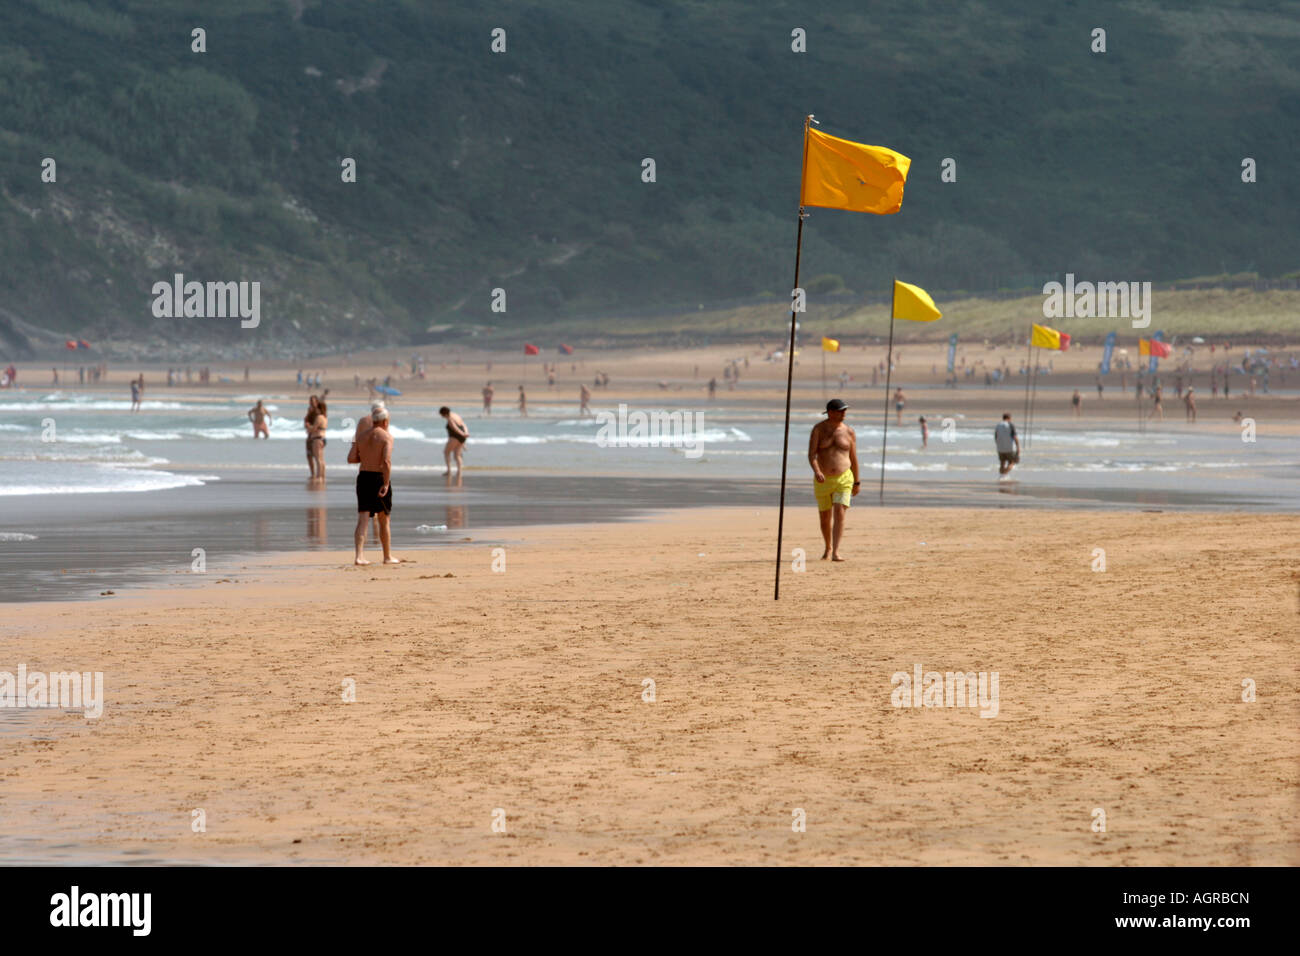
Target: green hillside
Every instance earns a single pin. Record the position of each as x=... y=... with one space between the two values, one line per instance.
x=522 y=170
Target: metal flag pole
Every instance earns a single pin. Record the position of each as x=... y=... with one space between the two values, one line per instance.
x=789 y=366
x=889 y=368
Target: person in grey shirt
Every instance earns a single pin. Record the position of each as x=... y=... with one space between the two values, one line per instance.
x=1008 y=444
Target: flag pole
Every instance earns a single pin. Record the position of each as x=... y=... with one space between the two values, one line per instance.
x=1033 y=399
x=889 y=367
x=789 y=366
x=823 y=372
x=1029 y=357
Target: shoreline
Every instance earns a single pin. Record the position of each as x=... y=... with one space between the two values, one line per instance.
x=1119 y=689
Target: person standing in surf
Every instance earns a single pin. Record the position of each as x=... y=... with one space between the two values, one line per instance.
x=1007 y=443
x=259 y=416
x=457 y=435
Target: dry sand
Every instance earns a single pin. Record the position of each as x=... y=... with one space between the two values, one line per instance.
x=523 y=691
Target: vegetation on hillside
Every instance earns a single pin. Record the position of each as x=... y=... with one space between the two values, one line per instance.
x=522 y=170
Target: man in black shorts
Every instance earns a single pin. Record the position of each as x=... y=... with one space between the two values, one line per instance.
x=374 y=447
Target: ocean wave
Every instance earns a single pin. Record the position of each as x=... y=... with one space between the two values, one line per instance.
x=106 y=481
x=16 y=536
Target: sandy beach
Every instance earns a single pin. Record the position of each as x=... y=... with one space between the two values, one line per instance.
x=521 y=691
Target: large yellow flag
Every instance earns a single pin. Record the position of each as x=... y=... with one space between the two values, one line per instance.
x=914 y=303
x=830 y=345
x=840 y=174
x=1045 y=338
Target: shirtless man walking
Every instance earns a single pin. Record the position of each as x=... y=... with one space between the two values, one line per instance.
x=373 y=446
x=833 y=454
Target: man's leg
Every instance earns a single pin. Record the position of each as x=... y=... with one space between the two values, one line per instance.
x=839 y=513
x=825 y=518
x=385 y=538
x=359 y=537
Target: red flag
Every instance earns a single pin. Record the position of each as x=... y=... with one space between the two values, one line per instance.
x=531 y=349
x=1065 y=341
x=82 y=343
x=70 y=344
x=566 y=349
x=1161 y=349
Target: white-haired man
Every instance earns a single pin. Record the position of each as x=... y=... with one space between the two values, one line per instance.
x=372 y=449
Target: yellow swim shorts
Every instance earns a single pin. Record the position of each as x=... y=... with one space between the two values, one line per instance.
x=834 y=491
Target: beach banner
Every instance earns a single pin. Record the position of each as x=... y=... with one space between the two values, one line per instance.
x=830 y=345
x=1044 y=338
x=913 y=303
x=952 y=352
x=531 y=349
x=840 y=174
x=1105 y=356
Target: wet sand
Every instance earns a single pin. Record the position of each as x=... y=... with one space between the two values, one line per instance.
x=522 y=691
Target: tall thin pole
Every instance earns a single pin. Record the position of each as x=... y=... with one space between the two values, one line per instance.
x=1033 y=400
x=1029 y=356
x=889 y=367
x=789 y=360
x=789 y=384
x=823 y=372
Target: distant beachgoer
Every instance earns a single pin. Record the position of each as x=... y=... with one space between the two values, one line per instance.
x=308 y=423
x=584 y=397
x=925 y=433
x=457 y=435
x=1156 y=395
x=56 y=375
x=1076 y=400
x=374 y=452
x=833 y=455
x=713 y=388
x=1007 y=443
x=899 y=402
x=1189 y=401
x=523 y=403
x=488 y=392
x=1226 y=372
x=844 y=379
x=259 y=416
x=316 y=440
x=135 y=395
x=550 y=378
x=1237 y=418
x=1099 y=388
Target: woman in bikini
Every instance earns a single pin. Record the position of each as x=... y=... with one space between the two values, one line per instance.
x=315 y=422
x=457 y=435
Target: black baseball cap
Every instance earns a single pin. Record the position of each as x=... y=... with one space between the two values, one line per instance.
x=836 y=405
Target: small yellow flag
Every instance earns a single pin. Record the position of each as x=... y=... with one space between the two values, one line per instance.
x=840 y=174
x=830 y=345
x=1045 y=338
x=914 y=303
